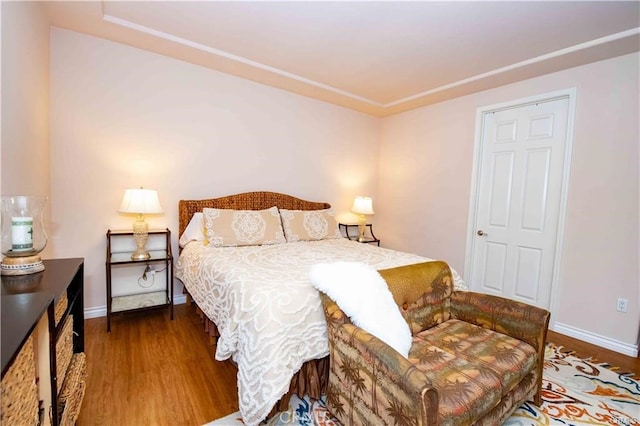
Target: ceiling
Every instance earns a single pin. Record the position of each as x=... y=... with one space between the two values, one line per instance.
x=376 y=57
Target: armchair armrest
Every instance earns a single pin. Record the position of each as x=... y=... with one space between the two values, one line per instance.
x=519 y=320
x=410 y=389
x=516 y=319
x=372 y=367
x=332 y=312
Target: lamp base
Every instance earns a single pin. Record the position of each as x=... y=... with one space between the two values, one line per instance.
x=140 y=236
x=140 y=255
x=21 y=265
x=362 y=225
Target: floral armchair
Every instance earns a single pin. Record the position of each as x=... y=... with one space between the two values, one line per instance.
x=474 y=358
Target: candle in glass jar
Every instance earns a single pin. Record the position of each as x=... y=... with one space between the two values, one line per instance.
x=21 y=233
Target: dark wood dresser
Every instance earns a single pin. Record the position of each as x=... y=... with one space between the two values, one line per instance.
x=43 y=362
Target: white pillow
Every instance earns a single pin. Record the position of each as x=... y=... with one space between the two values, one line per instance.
x=194 y=230
x=364 y=296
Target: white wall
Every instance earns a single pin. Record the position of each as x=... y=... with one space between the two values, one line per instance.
x=123 y=117
x=25 y=102
x=425 y=176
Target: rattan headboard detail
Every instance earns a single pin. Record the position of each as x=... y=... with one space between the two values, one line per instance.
x=247 y=201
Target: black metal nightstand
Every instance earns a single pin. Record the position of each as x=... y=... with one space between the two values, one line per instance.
x=371 y=238
x=141 y=298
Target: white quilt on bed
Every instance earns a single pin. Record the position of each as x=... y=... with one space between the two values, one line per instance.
x=268 y=314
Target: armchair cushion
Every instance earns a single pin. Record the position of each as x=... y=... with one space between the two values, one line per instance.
x=473 y=368
x=426 y=305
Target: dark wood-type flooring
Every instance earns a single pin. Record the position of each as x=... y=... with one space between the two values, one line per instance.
x=153 y=371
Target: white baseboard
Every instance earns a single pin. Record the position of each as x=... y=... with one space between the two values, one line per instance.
x=596 y=339
x=101 y=311
x=98 y=311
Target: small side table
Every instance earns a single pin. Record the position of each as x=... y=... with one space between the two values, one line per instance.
x=371 y=238
x=140 y=299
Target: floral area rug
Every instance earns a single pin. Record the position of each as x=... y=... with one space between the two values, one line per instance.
x=575 y=392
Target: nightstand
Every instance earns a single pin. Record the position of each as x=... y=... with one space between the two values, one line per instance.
x=352 y=233
x=145 y=295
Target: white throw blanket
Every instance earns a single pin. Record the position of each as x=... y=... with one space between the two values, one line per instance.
x=268 y=314
x=364 y=296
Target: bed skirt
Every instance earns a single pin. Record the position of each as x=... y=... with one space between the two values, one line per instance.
x=311 y=379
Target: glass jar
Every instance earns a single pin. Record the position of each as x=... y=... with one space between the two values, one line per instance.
x=23 y=235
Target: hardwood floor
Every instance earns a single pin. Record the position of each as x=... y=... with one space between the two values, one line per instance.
x=622 y=363
x=153 y=371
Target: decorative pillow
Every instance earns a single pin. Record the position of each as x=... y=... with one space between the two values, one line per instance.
x=194 y=230
x=364 y=296
x=242 y=227
x=309 y=225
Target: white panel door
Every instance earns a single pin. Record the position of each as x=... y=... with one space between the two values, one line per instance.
x=521 y=158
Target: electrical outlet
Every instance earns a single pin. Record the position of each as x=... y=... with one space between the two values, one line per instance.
x=622 y=305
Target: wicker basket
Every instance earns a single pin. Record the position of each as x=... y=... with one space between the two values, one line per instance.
x=61 y=307
x=19 y=390
x=70 y=398
x=64 y=350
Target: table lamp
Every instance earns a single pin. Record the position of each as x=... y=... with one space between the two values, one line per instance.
x=23 y=234
x=362 y=206
x=140 y=201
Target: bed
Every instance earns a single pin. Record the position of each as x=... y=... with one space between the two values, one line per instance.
x=259 y=303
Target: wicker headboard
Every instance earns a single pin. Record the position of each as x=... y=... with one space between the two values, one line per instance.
x=247 y=201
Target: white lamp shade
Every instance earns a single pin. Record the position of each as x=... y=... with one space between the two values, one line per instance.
x=362 y=205
x=140 y=201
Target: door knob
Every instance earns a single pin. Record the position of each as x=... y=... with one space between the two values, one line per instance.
x=481 y=233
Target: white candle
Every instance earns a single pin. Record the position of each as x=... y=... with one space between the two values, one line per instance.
x=21 y=233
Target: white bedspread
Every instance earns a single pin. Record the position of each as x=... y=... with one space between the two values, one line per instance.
x=268 y=314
